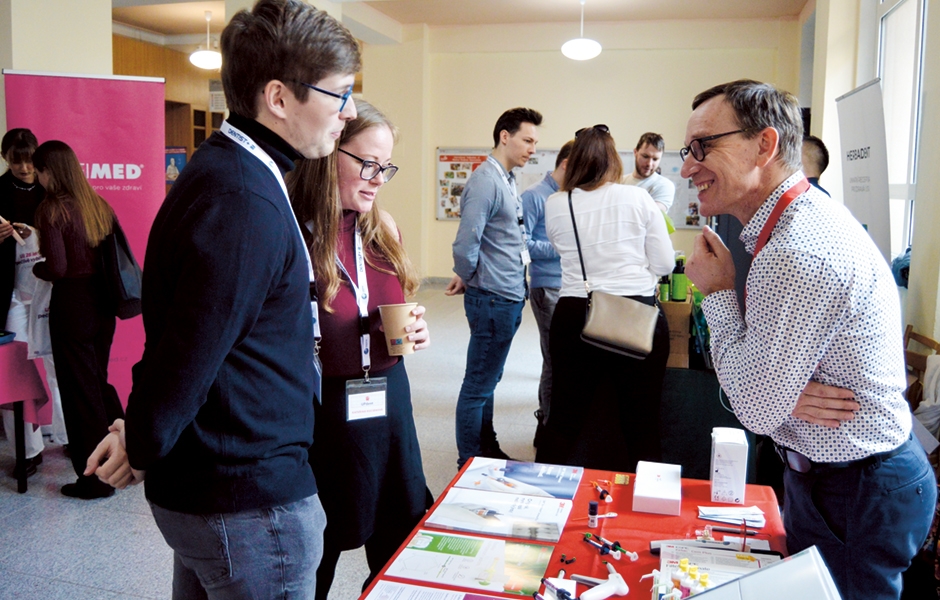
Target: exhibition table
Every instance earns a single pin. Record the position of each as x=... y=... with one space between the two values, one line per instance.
x=23 y=388
x=633 y=530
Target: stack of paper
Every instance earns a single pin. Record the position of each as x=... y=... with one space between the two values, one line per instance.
x=505 y=515
x=751 y=515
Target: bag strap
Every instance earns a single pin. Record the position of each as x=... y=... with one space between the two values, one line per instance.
x=577 y=241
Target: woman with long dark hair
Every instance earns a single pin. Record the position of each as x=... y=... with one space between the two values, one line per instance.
x=73 y=220
x=368 y=471
x=20 y=194
x=625 y=248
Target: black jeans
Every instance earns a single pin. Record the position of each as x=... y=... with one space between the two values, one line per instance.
x=81 y=331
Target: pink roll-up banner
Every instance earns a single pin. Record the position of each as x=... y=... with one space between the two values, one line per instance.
x=116 y=127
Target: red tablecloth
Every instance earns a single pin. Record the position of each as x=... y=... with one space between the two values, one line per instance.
x=20 y=381
x=633 y=530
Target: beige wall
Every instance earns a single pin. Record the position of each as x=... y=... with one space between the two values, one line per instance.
x=923 y=299
x=55 y=36
x=397 y=79
x=644 y=80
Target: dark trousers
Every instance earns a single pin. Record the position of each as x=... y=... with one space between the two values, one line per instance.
x=591 y=385
x=868 y=522
x=81 y=331
x=369 y=475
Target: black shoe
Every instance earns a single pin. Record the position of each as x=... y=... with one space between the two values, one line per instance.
x=493 y=451
x=30 y=464
x=87 y=488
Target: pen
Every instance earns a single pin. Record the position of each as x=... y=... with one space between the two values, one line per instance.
x=733 y=530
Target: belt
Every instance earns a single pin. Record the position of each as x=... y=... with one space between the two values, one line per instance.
x=799 y=463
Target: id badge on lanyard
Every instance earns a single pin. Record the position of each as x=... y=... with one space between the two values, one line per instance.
x=248 y=144
x=511 y=185
x=365 y=398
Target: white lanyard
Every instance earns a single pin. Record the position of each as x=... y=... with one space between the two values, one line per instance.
x=511 y=184
x=248 y=144
x=362 y=300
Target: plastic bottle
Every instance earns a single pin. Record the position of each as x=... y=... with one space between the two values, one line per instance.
x=680 y=285
x=702 y=584
x=690 y=579
x=592 y=514
x=664 y=291
x=679 y=574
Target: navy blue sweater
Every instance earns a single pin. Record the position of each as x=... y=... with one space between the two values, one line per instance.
x=221 y=414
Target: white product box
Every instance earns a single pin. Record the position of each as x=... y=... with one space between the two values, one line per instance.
x=728 y=465
x=658 y=488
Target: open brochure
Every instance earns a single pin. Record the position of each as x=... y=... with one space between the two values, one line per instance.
x=721 y=565
x=504 y=515
x=390 y=590
x=481 y=564
x=515 y=477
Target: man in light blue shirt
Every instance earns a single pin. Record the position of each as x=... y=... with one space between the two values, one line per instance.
x=544 y=273
x=490 y=257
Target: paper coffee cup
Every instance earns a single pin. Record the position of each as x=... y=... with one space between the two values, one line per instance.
x=395 y=317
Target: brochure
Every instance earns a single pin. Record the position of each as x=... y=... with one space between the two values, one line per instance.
x=515 y=477
x=721 y=565
x=390 y=590
x=470 y=562
x=504 y=515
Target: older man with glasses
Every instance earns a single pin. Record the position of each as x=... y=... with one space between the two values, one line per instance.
x=816 y=361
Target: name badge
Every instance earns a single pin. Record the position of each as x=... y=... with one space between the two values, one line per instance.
x=365 y=399
x=526 y=259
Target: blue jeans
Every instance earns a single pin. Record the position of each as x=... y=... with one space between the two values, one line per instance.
x=868 y=522
x=493 y=323
x=263 y=553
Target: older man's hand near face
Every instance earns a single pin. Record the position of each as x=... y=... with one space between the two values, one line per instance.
x=710 y=267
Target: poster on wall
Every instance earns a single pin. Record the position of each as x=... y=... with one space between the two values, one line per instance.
x=116 y=127
x=865 y=161
x=454 y=166
x=175 y=161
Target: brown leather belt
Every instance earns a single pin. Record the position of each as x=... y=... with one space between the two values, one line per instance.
x=799 y=463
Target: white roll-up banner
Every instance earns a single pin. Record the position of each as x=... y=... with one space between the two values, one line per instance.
x=865 y=161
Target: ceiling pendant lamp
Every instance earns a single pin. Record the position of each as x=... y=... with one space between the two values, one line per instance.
x=581 y=48
x=208 y=58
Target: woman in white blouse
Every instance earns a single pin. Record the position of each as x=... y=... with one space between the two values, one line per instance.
x=626 y=249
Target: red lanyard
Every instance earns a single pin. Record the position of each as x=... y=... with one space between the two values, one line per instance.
x=782 y=204
x=799 y=188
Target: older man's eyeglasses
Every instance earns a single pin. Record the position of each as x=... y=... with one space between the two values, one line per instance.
x=697 y=146
x=370 y=168
x=345 y=96
x=601 y=128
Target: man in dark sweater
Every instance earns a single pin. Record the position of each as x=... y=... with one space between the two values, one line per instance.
x=220 y=416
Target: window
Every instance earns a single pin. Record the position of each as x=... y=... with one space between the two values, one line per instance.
x=900 y=41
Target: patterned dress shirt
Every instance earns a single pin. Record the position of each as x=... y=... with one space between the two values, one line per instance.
x=821 y=306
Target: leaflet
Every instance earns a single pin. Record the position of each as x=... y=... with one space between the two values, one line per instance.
x=500 y=514
x=515 y=477
x=472 y=562
x=390 y=590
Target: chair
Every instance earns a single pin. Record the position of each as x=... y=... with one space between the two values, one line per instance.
x=916 y=361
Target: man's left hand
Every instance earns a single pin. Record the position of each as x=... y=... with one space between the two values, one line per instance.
x=825 y=405
x=710 y=267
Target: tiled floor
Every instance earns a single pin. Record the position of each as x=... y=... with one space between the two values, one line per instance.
x=53 y=547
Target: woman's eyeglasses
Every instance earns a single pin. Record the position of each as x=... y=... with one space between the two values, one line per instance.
x=370 y=168
x=601 y=128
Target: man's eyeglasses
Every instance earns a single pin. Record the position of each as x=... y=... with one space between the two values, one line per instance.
x=345 y=96
x=697 y=146
x=601 y=128
x=370 y=168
